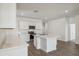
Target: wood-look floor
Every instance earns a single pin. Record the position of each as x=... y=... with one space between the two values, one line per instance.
x=63 y=49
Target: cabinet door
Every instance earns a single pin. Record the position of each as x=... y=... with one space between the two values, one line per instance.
x=43 y=44
x=23 y=25
x=26 y=25
x=8 y=15
x=39 y=26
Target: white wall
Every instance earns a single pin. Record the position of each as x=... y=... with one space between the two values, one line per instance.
x=7 y=15
x=7 y=22
x=70 y=20
x=60 y=27
x=8 y=32
x=74 y=20
x=77 y=29
x=57 y=27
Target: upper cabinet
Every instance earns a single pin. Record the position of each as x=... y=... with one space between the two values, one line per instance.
x=7 y=15
x=39 y=25
x=24 y=23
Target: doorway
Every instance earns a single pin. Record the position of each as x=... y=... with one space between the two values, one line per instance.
x=72 y=28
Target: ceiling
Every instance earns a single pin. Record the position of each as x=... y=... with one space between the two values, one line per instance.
x=47 y=11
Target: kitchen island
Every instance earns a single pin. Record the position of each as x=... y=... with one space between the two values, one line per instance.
x=45 y=42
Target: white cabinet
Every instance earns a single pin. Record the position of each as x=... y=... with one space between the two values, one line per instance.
x=45 y=43
x=26 y=24
x=7 y=15
x=39 y=25
x=37 y=42
x=23 y=25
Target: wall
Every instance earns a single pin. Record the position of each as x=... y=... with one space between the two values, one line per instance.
x=74 y=20
x=70 y=20
x=77 y=29
x=8 y=25
x=10 y=44
x=8 y=31
x=61 y=27
x=7 y=15
x=57 y=28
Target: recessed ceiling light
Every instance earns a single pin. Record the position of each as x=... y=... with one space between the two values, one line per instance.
x=35 y=11
x=66 y=11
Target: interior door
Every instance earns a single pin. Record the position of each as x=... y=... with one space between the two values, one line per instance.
x=72 y=32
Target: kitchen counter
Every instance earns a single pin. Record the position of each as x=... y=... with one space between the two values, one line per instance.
x=46 y=43
x=17 y=47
